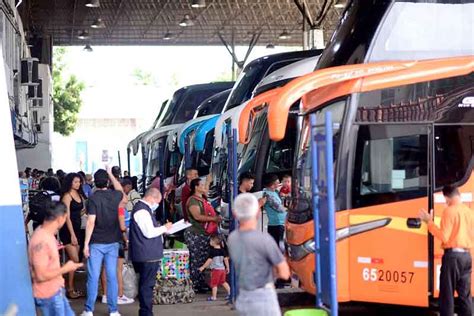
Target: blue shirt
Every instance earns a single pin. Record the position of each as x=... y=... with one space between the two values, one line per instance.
x=86 y=188
x=276 y=212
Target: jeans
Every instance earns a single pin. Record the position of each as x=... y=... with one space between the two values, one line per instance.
x=109 y=254
x=261 y=302
x=455 y=275
x=57 y=305
x=147 y=278
x=278 y=233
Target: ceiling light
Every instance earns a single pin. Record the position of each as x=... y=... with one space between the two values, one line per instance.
x=83 y=35
x=340 y=4
x=284 y=35
x=198 y=4
x=87 y=48
x=270 y=46
x=93 y=3
x=98 y=24
x=186 y=21
x=168 y=36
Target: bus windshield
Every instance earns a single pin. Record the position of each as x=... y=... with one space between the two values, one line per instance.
x=419 y=30
x=171 y=107
x=302 y=182
x=213 y=105
x=249 y=152
x=153 y=165
x=242 y=91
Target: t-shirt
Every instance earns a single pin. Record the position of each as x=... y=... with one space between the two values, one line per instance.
x=285 y=190
x=217 y=255
x=104 y=204
x=276 y=212
x=87 y=189
x=185 y=194
x=133 y=198
x=254 y=254
x=155 y=183
x=197 y=227
x=43 y=252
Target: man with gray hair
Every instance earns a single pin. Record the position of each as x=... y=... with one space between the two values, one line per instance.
x=257 y=260
x=146 y=246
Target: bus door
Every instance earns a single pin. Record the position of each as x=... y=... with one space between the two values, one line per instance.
x=388 y=246
x=454 y=162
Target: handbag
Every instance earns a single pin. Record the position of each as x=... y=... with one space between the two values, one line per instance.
x=211 y=228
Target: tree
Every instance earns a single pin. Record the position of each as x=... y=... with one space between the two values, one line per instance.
x=143 y=77
x=66 y=95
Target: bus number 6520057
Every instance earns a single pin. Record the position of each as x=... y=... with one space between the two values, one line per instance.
x=394 y=276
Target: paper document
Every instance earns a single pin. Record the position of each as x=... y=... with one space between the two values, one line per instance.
x=178 y=226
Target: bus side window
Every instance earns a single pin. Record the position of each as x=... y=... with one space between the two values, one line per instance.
x=391 y=165
x=454 y=154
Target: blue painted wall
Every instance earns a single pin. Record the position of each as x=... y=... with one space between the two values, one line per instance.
x=15 y=282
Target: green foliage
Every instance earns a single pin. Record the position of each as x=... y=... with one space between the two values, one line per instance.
x=143 y=77
x=66 y=95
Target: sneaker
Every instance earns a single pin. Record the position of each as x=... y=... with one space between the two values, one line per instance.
x=124 y=300
x=104 y=299
x=84 y=313
x=115 y=314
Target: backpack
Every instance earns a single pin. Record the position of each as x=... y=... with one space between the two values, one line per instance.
x=38 y=205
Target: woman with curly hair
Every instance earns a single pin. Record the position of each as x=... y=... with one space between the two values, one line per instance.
x=71 y=234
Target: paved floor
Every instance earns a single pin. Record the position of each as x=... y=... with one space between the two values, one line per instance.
x=199 y=307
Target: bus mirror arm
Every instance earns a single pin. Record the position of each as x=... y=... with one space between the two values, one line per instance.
x=413 y=223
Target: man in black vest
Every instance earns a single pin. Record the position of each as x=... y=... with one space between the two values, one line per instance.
x=146 y=246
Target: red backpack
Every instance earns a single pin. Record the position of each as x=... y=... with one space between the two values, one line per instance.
x=209 y=227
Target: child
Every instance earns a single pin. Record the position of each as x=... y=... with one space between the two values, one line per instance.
x=285 y=190
x=218 y=261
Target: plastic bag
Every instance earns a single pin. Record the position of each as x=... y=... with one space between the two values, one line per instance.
x=130 y=281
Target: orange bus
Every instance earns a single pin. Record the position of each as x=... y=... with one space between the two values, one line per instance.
x=402 y=130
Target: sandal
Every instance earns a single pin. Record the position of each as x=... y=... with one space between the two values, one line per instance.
x=211 y=299
x=71 y=294
x=81 y=293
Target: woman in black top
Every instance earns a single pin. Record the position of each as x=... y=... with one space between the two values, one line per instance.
x=71 y=234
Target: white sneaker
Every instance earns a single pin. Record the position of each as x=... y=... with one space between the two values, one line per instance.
x=84 y=313
x=115 y=314
x=104 y=299
x=124 y=300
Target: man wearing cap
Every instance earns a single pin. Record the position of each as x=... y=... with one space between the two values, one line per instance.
x=256 y=257
x=456 y=234
x=103 y=235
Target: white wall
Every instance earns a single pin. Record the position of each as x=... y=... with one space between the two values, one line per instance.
x=41 y=155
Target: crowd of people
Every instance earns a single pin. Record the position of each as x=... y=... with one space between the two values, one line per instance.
x=96 y=212
x=97 y=219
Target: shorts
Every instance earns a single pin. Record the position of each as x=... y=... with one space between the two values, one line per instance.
x=218 y=277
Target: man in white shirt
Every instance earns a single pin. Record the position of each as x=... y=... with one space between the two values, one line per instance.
x=146 y=246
